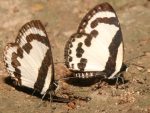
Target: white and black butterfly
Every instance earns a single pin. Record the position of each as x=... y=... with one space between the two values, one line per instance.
x=96 y=50
x=29 y=60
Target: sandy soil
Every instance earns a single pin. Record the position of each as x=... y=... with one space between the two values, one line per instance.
x=61 y=19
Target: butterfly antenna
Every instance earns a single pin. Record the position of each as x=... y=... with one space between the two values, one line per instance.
x=82 y=98
x=58 y=62
x=131 y=59
x=128 y=62
x=66 y=78
x=50 y=97
x=137 y=65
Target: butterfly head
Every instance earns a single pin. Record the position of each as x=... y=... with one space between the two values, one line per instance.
x=124 y=68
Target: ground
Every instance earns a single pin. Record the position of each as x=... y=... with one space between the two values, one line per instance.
x=61 y=19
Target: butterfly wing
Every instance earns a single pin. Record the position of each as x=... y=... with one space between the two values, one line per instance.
x=97 y=46
x=29 y=59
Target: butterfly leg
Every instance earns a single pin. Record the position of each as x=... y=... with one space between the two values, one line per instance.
x=50 y=97
x=117 y=82
x=51 y=94
x=44 y=95
x=122 y=80
x=33 y=92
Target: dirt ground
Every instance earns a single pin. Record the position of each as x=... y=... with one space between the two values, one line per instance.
x=61 y=18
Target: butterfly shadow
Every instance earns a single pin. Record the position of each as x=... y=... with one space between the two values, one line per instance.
x=32 y=92
x=82 y=82
x=11 y=82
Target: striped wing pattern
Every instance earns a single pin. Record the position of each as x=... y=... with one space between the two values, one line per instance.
x=29 y=60
x=97 y=46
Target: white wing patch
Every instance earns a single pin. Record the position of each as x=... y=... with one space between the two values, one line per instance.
x=98 y=53
x=31 y=63
x=47 y=80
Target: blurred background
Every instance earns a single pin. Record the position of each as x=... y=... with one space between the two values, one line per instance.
x=61 y=19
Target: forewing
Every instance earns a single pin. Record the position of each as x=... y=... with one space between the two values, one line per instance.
x=97 y=45
x=29 y=59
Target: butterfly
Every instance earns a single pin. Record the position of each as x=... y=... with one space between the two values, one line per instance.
x=96 y=49
x=29 y=59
